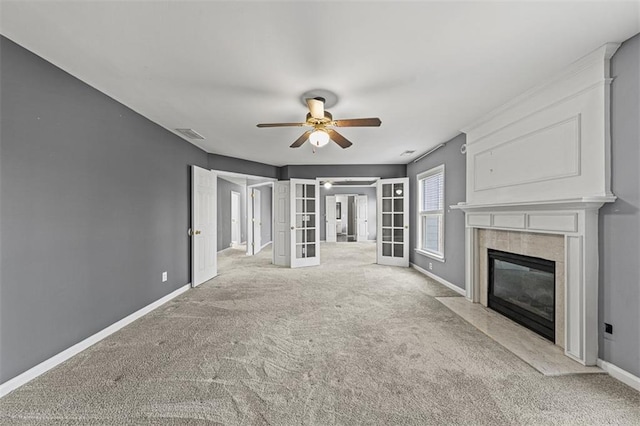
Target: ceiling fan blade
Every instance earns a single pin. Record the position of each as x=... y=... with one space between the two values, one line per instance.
x=281 y=124
x=358 y=122
x=316 y=107
x=339 y=139
x=301 y=139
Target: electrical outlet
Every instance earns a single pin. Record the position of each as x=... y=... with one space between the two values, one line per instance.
x=608 y=328
x=164 y=276
x=430 y=266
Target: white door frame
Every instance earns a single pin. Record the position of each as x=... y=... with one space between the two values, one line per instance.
x=236 y=224
x=256 y=220
x=330 y=231
x=203 y=232
x=392 y=227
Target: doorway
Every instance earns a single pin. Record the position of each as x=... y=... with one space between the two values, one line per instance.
x=351 y=218
x=348 y=207
x=244 y=216
x=260 y=217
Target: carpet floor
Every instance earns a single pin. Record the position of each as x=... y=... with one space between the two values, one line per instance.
x=348 y=342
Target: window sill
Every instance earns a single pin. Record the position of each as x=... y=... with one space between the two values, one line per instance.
x=430 y=255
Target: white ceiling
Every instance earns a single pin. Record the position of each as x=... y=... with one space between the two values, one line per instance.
x=426 y=69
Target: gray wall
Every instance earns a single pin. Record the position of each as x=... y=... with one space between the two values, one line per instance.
x=266 y=196
x=238 y=165
x=94 y=207
x=371 y=207
x=620 y=222
x=452 y=269
x=344 y=170
x=224 y=212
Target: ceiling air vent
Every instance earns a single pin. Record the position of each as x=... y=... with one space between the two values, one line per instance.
x=190 y=133
x=407 y=153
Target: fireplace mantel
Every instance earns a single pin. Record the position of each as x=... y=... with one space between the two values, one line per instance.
x=586 y=203
x=577 y=221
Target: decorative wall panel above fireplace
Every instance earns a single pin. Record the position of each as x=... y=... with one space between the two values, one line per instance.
x=550 y=143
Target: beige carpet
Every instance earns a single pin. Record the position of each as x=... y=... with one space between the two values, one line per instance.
x=349 y=342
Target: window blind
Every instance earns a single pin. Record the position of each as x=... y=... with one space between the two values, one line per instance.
x=433 y=192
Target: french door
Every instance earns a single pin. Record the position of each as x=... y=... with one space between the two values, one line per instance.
x=305 y=244
x=393 y=222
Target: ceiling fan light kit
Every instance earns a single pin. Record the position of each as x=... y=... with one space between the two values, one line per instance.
x=319 y=138
x=321 y=120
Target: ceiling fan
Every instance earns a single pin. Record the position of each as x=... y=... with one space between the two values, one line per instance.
x=320 y=120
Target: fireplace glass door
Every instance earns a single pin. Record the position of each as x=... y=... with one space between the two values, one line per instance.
x=523 y=289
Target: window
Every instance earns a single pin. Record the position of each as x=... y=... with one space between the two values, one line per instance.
x=431 y=212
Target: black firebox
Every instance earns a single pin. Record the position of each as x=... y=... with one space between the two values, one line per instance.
x=522 y=288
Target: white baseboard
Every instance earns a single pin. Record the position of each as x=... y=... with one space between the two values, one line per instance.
x=442 y=281
x=48 y=364
x=620 y=374
x=264 y=245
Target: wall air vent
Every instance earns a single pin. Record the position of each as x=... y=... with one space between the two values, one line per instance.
x=190 y=133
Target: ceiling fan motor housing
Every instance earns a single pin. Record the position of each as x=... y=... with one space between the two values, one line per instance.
x=328 y=118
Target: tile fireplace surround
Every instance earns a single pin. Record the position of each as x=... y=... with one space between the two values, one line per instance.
x=544 y=246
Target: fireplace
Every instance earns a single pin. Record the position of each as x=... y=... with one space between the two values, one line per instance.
x=528 y=183
x=522 y=288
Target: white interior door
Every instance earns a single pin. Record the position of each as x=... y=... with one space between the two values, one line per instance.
x=341 y=221
x=204 y=265
x=330 y=215
x=393 y=222
x=305 y=245
x=362 y=218
x=235 y=218
x=281 y=224
x=257 y=221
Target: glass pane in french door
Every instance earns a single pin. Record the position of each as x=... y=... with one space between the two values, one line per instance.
x=305 y=220
x=393 y=219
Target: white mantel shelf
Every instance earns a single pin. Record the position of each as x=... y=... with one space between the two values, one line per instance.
x=586 y=203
